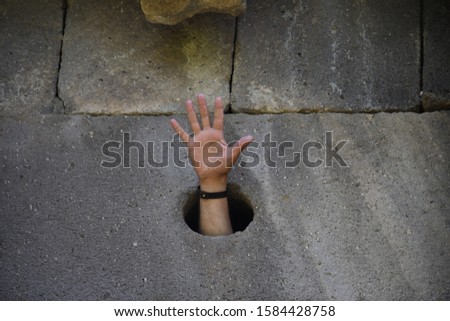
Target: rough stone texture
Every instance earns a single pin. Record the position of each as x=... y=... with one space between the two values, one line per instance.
x=378 y=229
x=115 y=62
x=436 y=67
x=327 y=56
x=30 y=41
x=171 y=12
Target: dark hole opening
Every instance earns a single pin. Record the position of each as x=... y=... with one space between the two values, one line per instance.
x=241 y=212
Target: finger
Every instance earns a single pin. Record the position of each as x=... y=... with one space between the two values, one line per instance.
x=192 y=117
x=203 y=111
x=239 y=146
x=218 y=114
x=179 y=130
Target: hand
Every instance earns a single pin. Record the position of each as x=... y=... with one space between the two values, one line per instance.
x=209 y=153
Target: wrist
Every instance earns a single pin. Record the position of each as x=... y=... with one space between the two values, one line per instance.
x=214 y=185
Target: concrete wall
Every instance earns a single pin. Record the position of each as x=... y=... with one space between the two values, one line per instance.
x=375 y=229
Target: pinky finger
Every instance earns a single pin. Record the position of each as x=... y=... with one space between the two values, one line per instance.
x=180 y=131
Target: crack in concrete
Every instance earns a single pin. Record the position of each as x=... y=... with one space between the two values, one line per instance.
x=233 y=58
x=60 y=106
x=421 y=54
x=61 y=109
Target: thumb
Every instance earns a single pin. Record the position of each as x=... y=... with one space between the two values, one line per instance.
x=239 y=146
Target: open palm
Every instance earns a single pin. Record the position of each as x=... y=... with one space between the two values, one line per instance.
x=209 y=153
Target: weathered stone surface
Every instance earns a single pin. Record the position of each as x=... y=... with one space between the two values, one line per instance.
x=436 y=61
x=115 y=62
x=30 y=41
x=378 y=229
x=327 y=56
x=171 y=12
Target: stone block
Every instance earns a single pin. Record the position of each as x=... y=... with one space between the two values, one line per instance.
x=378 y=229
x=30 y=41
x=171 y=12
x=115 y=62
x=436 y=60
x=340 y=56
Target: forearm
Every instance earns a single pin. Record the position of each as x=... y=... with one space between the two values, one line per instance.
x=214 y=214
x=209 y=142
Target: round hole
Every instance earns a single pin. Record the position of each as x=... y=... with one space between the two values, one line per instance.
x=241 y=212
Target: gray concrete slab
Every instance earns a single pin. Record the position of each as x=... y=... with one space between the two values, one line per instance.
x=436 y=60
x=314 y=55
x=377 y=229
x=30 y=41
x=115 y=62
